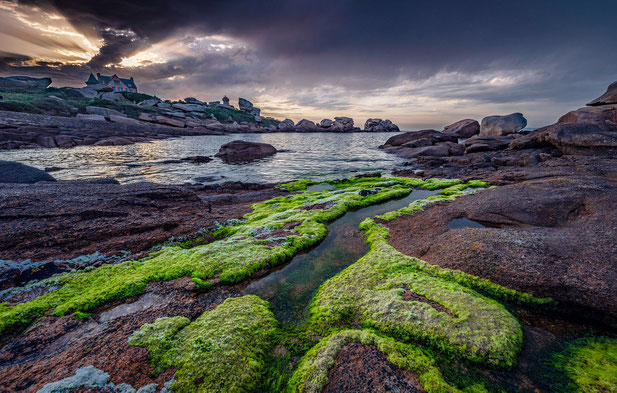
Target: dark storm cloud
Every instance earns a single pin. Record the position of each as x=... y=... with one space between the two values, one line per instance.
x=570 y=47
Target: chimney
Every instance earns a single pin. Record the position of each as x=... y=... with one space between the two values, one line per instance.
x=98 y=76
x=132 y=79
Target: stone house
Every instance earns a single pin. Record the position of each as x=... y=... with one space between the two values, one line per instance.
x=116 y=83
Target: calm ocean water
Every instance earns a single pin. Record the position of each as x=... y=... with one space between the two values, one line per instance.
x=313 y=156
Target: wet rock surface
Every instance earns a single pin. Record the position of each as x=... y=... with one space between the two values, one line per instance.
x=550 y=236
x=55 y=348
x=66 y=219
x=363 y=368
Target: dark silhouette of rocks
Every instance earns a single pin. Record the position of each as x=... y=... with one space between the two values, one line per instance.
x=15 y=172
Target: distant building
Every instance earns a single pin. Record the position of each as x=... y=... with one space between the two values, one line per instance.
x=225 y=101
x=116 y=83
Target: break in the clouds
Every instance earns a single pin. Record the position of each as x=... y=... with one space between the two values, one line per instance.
x=421 y=64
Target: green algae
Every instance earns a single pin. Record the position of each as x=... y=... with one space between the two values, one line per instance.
x=369 y=293
x=589 y=364
x=229 y=260
x=221 y=351
x=451 y=192
x=311 y=376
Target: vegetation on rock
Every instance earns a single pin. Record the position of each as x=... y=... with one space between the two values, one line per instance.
x=273 y=233
x=370 y=293
x=589 y=365
x=311 y=376
x=221 y=351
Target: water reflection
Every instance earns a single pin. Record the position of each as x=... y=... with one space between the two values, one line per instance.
x=315 y=156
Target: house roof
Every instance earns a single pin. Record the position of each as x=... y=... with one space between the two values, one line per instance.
x=129 y=83
x=92 y=79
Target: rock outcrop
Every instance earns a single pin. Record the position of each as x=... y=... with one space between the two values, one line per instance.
x=239 y=150
x=604 y=116
x=23 y=131
x=570 y=138
x=479 y=143
x=465 y=128
x=247 y=106
x=25 y=82
x=286 y=125
x=105 y=112
x=306 y=125
x=379 y=125
x=16 y=172
x=424 y=143
x=342 y=123
x=502 y=125
x=610 y=97
x=326 y=123
x=412 y=136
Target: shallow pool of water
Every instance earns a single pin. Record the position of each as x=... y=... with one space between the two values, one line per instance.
x=303 y=156
x=291 y=288
x=459 y=223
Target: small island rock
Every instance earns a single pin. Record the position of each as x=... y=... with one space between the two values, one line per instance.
x=243 y=150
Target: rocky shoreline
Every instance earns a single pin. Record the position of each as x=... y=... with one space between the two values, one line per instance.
x=33 y=115
x=468 y=263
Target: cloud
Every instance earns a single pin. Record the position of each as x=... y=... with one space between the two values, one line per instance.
x=419 y=62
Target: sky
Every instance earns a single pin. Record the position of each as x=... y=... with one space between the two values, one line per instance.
x=421 y=64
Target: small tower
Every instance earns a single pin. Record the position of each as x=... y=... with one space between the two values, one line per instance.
x=91 y=80
x=225 y=100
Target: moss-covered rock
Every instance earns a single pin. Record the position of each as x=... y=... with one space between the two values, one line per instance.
x=311 y=376
x=221 y=351
x=246 y=249
x=589 y=364
x=410 y=299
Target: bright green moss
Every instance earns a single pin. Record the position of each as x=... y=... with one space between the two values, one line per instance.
x=311 y=376
x=221 y=351
x=370 y=292
x=590 y=365
x=246 y=249
x=452 y=190
x=298 y=185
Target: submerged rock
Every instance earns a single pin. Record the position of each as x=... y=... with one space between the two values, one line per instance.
x=16 y=172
